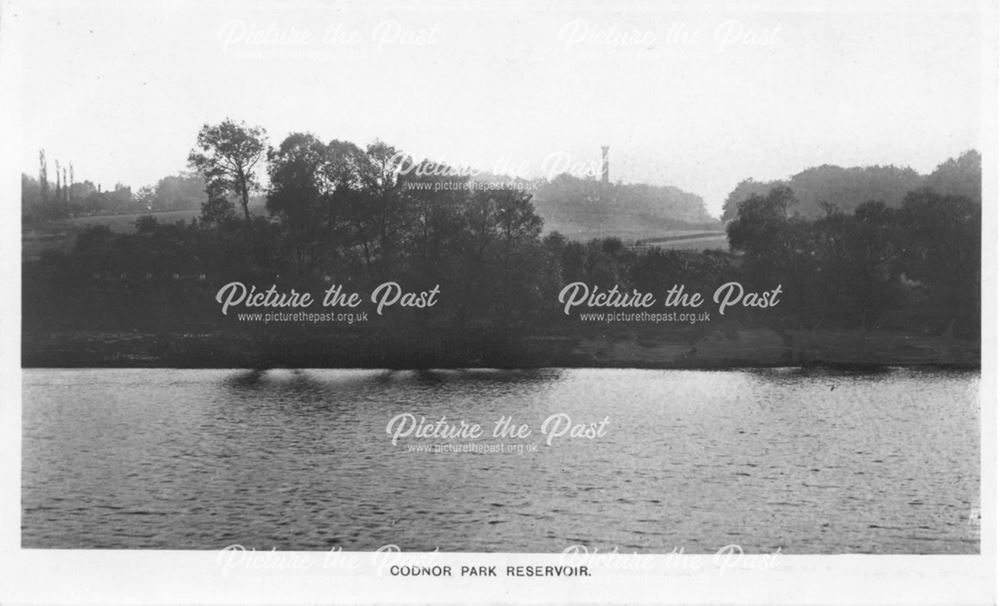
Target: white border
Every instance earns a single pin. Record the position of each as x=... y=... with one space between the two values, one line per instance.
x=170 y=577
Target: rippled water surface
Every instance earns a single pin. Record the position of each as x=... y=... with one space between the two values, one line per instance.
x=808 y=461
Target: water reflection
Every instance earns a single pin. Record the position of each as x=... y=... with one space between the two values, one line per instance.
x=811 y=461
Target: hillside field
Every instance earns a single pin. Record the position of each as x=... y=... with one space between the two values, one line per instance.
x=61 y=235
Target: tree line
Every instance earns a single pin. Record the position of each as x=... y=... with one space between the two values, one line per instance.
x=820 y=187
x=336 y=211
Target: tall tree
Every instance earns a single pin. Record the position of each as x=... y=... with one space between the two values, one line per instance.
x=348 y=171
x=774 y=244
x=43 y=174
x=297 y=196
x=942 y=245
x=228 y=156
x=58 y=183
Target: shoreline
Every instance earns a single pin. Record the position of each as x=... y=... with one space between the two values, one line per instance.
x=757 y=348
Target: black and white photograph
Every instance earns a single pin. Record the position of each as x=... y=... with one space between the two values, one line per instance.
x=522 y=294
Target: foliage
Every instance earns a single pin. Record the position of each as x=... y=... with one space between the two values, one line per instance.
x=229 y=154
x=847 y=188
x=358 y=216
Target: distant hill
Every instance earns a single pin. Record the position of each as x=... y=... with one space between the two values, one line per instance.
x=847 y=188
x=582 y=208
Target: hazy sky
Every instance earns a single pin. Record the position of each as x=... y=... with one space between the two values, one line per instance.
x=700 y=100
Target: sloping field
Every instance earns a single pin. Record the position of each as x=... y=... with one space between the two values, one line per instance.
x=60 y=235
x=715 y=241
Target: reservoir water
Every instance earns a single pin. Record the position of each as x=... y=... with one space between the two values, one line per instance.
x=808 y=461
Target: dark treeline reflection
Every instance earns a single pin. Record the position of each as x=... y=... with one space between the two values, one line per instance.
x=337 y=213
